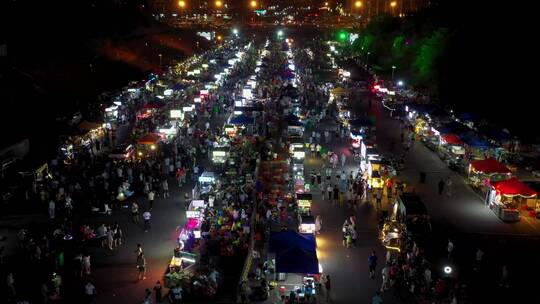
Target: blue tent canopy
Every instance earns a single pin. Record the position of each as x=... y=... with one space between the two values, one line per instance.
x=473 y=140
x=297 y=260
x=452 y=128
x=468 y=117
x=361 y=122
x=242 y=120
x=179 y=86
x=280 y=241
x=293 y=120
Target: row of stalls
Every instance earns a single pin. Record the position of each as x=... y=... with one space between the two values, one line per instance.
x=201 y=213
x=508 y=197
x=478 y=154
x=293 y=252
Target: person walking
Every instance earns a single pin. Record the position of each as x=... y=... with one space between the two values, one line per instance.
x=165 y=188
x=378 y=198
x=372 y=264
x=328 y=288
x=146 y=217
x=377 y=297
x=135 y=212
x=450 y=248
x=336 y=194
x=441 y=186
x=139 y=252
x=151 y=196
x=147 y=297
x=330 y=190
x=157 y=289
x=90 y=292
x=175 y=294
x=117 y=235
x=141 y=267
x=52 y=209
x=343 y=160
x=318 y=224
x=10 y=282
x=86 y=264
x=448 y=186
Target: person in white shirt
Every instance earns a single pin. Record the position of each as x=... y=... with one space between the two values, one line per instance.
x=146 y=217
x=165 y=187
x=151 y=196
x=52 y=209
x=90 y=292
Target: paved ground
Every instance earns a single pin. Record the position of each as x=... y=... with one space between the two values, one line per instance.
x=115 y=273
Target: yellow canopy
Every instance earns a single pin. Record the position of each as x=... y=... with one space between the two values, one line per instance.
x=339 y=91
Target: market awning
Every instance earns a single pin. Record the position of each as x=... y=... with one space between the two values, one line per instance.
x=280 y=241
x=297 y=260
x=179 y=86
x=473 y=140
x=513 y=187
x=452 y=139
x=88 y=125
x=339 y=91
x=489 y=166
x=149 y=139
x=242 y=120
x=153 y=105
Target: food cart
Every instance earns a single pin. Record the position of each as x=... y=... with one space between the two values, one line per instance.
x=195 y=217
x=220 y=154
x=306 y=223
x=408 y=214
x=205 y=183
x=304 y=202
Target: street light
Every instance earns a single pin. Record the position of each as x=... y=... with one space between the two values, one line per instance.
x=219 y=4
x=182 y=4
x=400 y=83
x=393 y=69
x=160 y=56
x=253 y=4
x=393 y=4
x=235 y=31
x=280 y=33
x=358 y=4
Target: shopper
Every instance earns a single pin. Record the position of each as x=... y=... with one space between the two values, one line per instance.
x=441 y=186
x=157 y=289
x=135 y=212
x=372 y=263
x=151 y=196
x=146 y=217
x=328 y=288
x=141 y=267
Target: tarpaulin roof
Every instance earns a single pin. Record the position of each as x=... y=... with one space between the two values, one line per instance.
x=242 y=120
x=149 y=139
x=452 y=128
x=468 y=117
x=179 y=86
x=280 y=241
x=452 y=139
x=474 y=140
x=339 y=91
x=297 y=260
x=513 y=187
x=489 y=166
x=361 y=122
x=153 y=105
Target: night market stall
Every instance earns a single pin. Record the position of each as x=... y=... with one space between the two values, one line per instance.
x=485 y=170
x=506 y=197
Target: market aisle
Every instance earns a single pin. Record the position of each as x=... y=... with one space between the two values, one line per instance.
x=347 y=268
x=464 y=211
x=115 y=273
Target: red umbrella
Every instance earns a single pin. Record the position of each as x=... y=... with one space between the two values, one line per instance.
x=452 y=139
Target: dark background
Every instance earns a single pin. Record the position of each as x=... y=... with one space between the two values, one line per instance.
x=490 y=68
